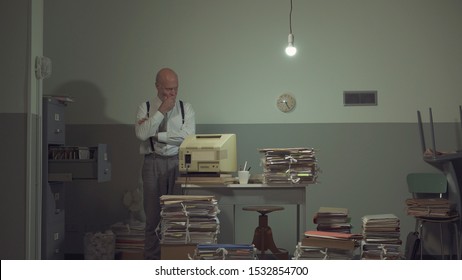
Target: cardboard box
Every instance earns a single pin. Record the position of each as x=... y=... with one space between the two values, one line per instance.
x=177 y=251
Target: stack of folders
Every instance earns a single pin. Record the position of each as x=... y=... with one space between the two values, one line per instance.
x=225 y=252
x=289 y=165
x=430 y=207
x=332 y=219
x=129 y=237
x=381 y=237
x=327 y=245
x=189 y=219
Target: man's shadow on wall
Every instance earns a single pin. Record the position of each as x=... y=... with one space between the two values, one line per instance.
x=88 y=124
x=89 y=106
x=87 y=121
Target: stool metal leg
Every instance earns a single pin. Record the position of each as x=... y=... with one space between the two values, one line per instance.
x=441 y=242
x=421 y=239
x=456 y=231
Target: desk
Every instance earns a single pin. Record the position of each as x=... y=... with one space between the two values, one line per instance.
x=228 y=196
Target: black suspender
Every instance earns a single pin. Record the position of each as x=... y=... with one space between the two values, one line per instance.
x=182 y=111
x=182 y=119
x=150 y=138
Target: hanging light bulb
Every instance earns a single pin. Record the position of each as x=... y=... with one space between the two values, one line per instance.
x=291 y=50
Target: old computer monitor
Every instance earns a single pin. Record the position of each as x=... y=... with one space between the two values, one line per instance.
x=208 y=153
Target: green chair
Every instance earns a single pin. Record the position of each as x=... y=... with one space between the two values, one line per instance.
x=433 y=185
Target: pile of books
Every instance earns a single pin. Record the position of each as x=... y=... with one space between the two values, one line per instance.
x=129 y=238
x=429 y=207
x=225 y=252
x=289 y=165
x=381 y=237
x=189 y=219
x=332 y=219
x=327 y=245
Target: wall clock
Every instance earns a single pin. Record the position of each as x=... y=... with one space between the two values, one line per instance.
x=286 y=102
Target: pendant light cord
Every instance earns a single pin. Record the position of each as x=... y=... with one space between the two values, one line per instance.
x=290 y=17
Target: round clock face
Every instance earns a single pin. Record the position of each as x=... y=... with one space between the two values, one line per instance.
x=286 y=102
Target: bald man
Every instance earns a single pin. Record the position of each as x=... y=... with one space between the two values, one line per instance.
x=162 y=123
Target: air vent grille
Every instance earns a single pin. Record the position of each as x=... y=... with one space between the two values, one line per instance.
x=360 y=98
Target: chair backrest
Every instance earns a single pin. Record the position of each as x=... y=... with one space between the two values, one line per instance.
x=435 y=183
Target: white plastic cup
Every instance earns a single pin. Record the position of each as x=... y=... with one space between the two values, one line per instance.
x=243 y=176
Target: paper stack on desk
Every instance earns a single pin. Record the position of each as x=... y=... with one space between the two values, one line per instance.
x=189 y=219
x=289 y=165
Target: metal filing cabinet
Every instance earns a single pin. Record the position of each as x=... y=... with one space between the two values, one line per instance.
x=62 y=164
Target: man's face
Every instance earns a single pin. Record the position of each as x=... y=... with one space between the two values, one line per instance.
x=167 y=87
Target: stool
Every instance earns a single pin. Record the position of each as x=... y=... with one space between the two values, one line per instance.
x=263 y=236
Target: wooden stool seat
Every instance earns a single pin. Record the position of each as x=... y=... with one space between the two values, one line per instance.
x=263 y=236
x=263 y=209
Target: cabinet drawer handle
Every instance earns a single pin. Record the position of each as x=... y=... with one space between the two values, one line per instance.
x=58 y=131
x=106 y=171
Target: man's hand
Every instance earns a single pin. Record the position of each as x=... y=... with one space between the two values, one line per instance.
x=167 y=104
x=142 y=120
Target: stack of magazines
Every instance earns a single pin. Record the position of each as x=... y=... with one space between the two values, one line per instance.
x=381 y=237
x=327 y=245
x=289 y=165
x=129 y=237
x=189 y=219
